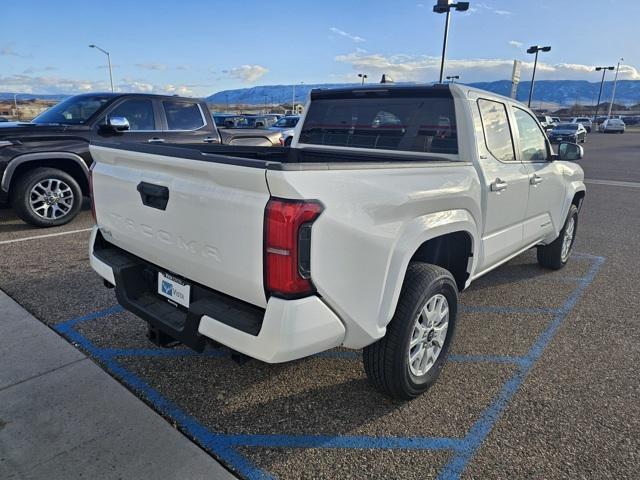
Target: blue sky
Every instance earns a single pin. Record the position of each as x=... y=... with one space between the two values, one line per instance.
x=198 y=47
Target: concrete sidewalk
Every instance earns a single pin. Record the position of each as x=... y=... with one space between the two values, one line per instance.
x=62 y=416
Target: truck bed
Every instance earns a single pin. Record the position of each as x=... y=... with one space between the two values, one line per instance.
x=273 y=158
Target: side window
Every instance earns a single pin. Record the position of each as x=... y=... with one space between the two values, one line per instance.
x=183 y=115
x=497 y=133
x=533 y=143
x=138 y=112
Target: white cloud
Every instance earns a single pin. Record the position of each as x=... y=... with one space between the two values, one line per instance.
x=342 y=33
x=515 y=43
x=412 y=68
x=9 y=51
x=152 y=66
x=60 y=85
x=246 y=73
x=489 y=8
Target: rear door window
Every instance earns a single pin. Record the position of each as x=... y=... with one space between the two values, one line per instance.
x=183 y=115
x=497 y=131
x=409 y=124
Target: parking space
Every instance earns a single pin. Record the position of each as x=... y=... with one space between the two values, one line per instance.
x=542 y=379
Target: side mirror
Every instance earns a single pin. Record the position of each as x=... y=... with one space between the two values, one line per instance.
x=570 y=151
x=119 y=124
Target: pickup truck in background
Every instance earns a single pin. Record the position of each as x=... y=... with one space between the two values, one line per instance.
x=44 y=164
x=390 y=201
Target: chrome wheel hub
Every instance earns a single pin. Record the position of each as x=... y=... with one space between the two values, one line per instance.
x=428 y=335
x=51 y=199
x=567 y=239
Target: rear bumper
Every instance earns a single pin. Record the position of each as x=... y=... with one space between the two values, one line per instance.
x=285 y=330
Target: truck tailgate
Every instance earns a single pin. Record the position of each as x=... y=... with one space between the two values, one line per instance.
x=209 y=230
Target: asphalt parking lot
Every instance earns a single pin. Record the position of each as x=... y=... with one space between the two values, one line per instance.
x=543 y=380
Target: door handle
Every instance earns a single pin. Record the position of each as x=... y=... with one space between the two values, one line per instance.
x=156 y=140
x=210 y=140
x=498 y=185
x=535 y=179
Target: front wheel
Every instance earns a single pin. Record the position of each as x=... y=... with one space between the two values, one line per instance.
x=409 y=358
x=557 y=253
x=46 y=197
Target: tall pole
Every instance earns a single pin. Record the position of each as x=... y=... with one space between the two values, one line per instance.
x=613 y=94
x=293 y=101
x=15 y=104
x=110 y=71
x=533 y=79
x=604 y=70
x=108 y=61
x=444 y=44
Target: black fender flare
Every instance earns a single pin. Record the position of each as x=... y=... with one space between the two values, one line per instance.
x=31 y=157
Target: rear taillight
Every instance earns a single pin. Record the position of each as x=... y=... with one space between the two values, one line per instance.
x=287 y=246
x=93 y=204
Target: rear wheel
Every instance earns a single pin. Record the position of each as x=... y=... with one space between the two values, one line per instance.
x=557 y=253
x=46 y=197
x=409 y=358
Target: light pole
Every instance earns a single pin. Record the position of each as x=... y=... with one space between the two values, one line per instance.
x=15 y=105
x=109 y=62
x=613 y=94
x=445 y=6
x=453 y=78
x=363 y=77
x=604 y=70
x=534 y=49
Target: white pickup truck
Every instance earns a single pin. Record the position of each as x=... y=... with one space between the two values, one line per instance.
x=390 y=201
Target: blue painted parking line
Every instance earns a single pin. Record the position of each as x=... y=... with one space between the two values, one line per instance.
x=224 y=446
x=492 y=414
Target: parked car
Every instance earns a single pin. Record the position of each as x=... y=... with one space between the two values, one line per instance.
x=286 y=126
x=568 y=132
x=546 y=121
x=2 y=119
x=585 y=121
x=44 y=164
x=612 y=125
x=556 y=120
x=283 y=253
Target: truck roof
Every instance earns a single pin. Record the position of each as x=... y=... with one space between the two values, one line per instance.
x=131 y=94
x=429 y=89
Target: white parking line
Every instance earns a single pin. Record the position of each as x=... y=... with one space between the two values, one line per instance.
x=4 y=242
x=614 y=183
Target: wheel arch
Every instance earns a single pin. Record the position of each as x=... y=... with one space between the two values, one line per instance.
x=67 y=162
x=433 y=238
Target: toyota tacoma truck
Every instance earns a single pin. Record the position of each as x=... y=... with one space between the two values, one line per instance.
x=390 y=200
x=44 y=164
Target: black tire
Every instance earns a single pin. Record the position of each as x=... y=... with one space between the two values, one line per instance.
x=386 y=361
x=550 y=256
x=20 y=195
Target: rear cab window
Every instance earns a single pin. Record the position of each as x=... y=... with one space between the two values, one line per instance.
x=417 y=121
x=182 y=115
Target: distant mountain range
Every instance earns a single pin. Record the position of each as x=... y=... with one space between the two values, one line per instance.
x=560 y=92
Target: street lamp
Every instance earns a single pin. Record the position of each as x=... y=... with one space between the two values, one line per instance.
x=362 y=76
x=604 y=70
x=535 y=49
x=615 y=82
x=445 y=6
x=108 y=60
x=453 y=78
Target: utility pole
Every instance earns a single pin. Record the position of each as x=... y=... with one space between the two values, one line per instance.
x=615 y=82
x=108 y=61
